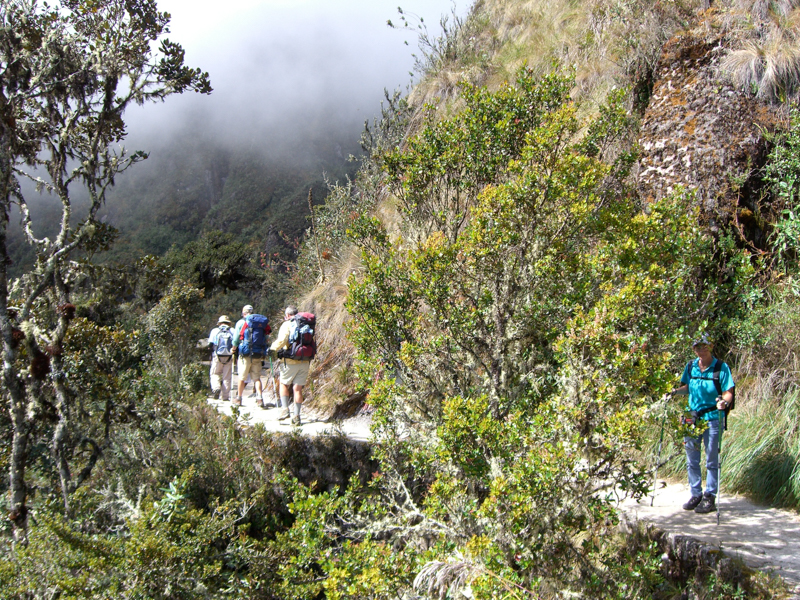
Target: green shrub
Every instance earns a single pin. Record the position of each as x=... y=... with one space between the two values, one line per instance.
x=171 y=328
x=194 y=377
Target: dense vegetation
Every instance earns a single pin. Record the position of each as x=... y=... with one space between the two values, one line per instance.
x=516 y=312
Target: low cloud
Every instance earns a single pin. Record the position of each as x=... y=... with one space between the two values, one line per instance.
x=283 y=70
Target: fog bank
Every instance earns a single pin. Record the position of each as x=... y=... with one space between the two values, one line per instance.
x=284 y=70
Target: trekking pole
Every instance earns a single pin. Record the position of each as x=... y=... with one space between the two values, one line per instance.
x=660 y=446
x=722 y=425
x=275 y=393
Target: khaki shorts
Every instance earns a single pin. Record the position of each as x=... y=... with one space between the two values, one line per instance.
x=248 y=364
x=294 y=373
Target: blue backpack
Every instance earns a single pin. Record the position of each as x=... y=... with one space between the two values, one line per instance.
x=224 y=345
x=253 y=338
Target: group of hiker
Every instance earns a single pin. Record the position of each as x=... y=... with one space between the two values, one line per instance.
x=247 y=344
x=706 y=380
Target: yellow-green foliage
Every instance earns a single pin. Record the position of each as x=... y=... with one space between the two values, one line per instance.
x=518 y=329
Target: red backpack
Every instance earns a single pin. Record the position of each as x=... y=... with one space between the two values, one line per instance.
x=302 y=340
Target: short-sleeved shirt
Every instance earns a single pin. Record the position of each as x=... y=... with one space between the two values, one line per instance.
x=212 y=337
x=282 y=341
x=237 y=332
x=702 y=391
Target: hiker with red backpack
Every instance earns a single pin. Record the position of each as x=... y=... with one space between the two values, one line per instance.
x=220 y=340
x=295 y=347
x=710 y=387
x=250 y=340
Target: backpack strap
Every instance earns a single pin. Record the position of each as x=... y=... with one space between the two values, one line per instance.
x=715 y=373
x=705 y=411
x=715 y=376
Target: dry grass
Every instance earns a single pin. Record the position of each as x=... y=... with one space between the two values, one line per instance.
x=609 y=42
x=763 y=449
x=332 y=371
x=765 y=59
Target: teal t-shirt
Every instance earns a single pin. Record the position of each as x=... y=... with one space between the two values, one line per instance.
x=702 y=391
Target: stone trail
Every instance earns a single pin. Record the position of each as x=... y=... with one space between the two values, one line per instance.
x=356 y=428
x=767 y=539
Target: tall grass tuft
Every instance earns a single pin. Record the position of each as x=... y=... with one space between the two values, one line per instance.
x=767 y=63
x=761 y=451
x=771 y=69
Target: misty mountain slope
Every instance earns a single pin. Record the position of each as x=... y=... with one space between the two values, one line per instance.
x=188 y=188
x=195 y=182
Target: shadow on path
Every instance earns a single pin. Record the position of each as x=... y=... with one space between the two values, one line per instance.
x=765 y=538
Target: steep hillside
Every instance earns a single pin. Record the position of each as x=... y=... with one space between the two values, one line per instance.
x=682 y=66
x=510 y=282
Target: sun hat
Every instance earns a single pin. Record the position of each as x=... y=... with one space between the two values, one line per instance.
x=247 y=308
x=224 y=319
x=703 y=340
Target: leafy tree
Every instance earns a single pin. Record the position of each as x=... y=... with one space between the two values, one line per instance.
x=501 y=198
x=215 y=261
x=518 y=330
x=169 y=327
x=68 y=71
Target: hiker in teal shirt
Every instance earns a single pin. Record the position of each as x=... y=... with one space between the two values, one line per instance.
x=706 y=398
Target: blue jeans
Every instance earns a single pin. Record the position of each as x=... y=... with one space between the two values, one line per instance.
x=710 y=439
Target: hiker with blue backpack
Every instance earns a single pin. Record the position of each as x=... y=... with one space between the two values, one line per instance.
x=294 y=346
x=709 y=384
x=250 y=341
x=220 y=341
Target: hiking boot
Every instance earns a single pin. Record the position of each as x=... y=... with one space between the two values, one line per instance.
x=296 y=421
x=260 y=403
x=237 y=401
x=707 y=505
x=692 y=503
x=284 y=415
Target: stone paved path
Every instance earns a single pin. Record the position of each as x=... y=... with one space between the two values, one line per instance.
x=765 y=538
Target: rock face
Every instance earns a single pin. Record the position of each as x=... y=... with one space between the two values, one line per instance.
x=698 y=131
